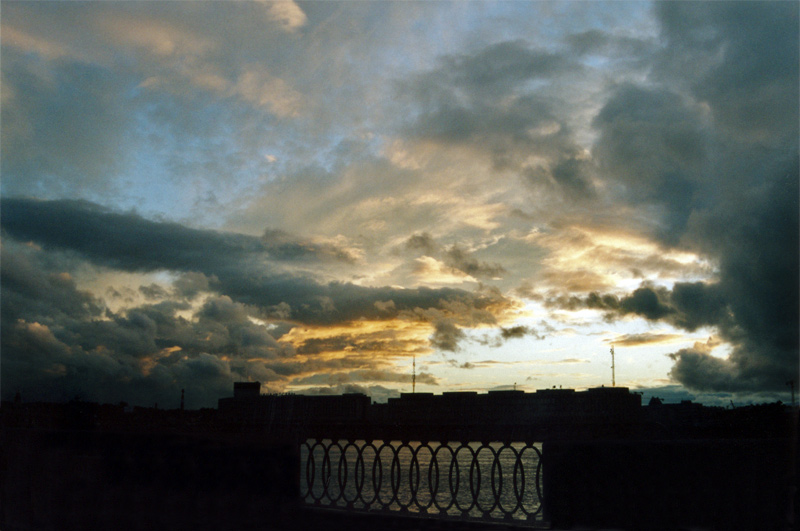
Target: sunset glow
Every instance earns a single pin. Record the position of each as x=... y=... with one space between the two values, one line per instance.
x=316 y=195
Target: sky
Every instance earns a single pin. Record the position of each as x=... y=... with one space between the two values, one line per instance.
x=331 y=197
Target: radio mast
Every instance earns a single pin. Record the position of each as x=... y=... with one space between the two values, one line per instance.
x=613 y=376
x=414 y=375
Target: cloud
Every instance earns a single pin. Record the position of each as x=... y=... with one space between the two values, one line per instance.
x=697 y=369
x=755 y=234
x=654 y=143
x=255 y=86
x=459 y=259
x=287 y=13
x=377 y=393
x=600 y=43
x=366 y=375
x=754 y=304
x=565 y=361
x=597 y=256
x=515 y=332
x=738 y=57
x=700 y=152
x=60 y=345
x=507 y=333
x=446 y=335
x=647 y=338
x=72 y=139
x=217 y=321
x=432 y=271
x=131 y=243
x=453 y=257
x=484 y=101
x=19 y=39
x=153 y=35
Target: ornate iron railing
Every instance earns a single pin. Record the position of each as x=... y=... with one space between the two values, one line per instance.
x=497 y=481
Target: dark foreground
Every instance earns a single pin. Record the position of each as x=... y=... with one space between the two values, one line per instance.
x=82 y=479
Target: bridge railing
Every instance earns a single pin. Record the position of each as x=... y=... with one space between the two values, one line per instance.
x=499 y=481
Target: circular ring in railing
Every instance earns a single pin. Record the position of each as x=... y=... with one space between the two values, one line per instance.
x=519 y=471
x=414 y=479
x=464 y=510
x=379 y=486
x=311 y=478
x=497 y=485
x=477 y=482
x=394 y=474
x=539 y=480
x=433 y=486
x=454 y=466
x=359 y=473
x=327 y=472
x=310 y=469
x=531 y=514
x=343 y=484
x=423 y=447
x=474 y=489
x=361 y=491
x=435 y=458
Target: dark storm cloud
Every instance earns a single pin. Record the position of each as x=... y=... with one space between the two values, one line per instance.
x=153 y=291
x=653 y=142
x=30 y=290
x=132 y=243
x=707 y=152
x=726 y=180
x=717 y=118
x=423 y=242
x=244 y=267
x=571 y=174
x=109 y=360
x=59 y=342
x=754 y=304
x=740 y=57
x=647 y=301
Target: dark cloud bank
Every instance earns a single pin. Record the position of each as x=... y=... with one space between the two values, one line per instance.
x=711 y=149
x=60 y=342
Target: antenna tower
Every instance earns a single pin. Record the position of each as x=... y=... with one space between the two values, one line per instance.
x=613 y=376
x=414 y=375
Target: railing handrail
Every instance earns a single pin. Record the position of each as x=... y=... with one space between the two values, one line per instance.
x=464 y=492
